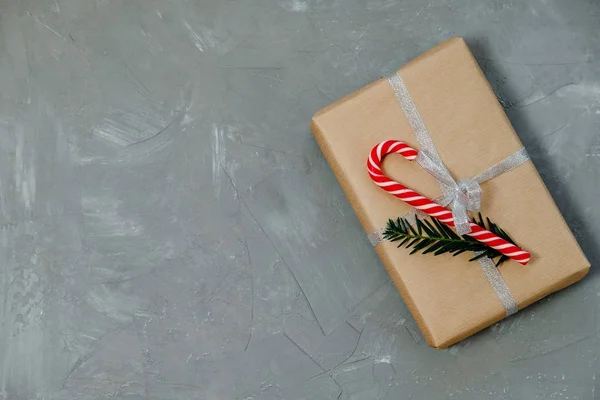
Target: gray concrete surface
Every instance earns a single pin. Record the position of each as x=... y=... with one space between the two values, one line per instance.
x=170 y=230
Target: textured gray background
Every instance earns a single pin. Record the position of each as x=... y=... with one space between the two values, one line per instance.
x=170 y=230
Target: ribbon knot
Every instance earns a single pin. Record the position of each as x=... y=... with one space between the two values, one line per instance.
x=463 y=196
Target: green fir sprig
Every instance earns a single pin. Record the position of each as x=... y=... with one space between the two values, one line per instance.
x=430 y=236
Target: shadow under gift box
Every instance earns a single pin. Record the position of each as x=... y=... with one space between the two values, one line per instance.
x=448 y=296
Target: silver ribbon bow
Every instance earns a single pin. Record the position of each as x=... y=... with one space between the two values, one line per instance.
x=465 y=195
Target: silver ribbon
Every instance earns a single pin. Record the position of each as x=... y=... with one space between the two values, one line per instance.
x=493 y=276
x=463 y=195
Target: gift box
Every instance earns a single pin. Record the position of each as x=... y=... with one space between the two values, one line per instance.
x=450 y=297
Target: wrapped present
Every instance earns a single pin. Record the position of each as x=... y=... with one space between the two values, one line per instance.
x=440 y=111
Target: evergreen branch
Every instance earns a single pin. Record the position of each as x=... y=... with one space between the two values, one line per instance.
x=430 y=236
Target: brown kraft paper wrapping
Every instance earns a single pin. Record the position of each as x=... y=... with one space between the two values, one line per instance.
x=449 y=297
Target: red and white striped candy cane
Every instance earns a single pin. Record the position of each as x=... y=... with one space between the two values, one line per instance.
x=426 y=205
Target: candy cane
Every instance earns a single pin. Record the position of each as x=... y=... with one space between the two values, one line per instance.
x=429 y=207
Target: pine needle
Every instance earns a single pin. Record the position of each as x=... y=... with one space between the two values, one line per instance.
x=430 y=236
